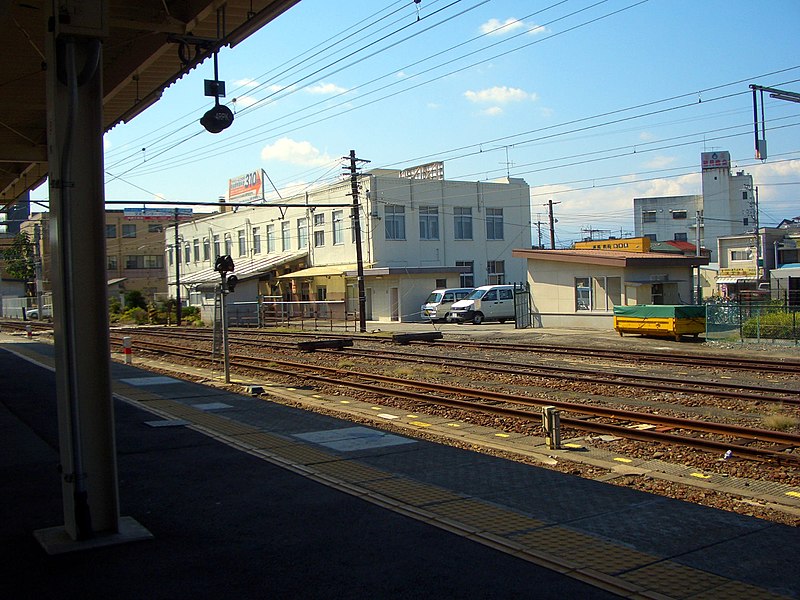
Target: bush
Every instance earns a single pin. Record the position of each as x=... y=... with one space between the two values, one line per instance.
x=773 y=325
x=136 y=316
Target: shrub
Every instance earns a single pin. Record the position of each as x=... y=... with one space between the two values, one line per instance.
x=774 y=325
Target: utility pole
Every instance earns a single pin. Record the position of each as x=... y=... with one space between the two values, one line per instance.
x=362 y=293
x=37 y=264
x=539 y=231
x=177 y=272
x=552 y=224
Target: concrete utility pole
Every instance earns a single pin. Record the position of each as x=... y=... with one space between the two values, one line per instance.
x=362 y=293
x=552 y=224
x=177 y=273
x=698 y=220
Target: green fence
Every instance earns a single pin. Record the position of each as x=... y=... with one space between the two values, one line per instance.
x=752 y=321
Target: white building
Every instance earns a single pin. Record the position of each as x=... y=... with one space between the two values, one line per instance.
x=726 y=207
x=416 y=235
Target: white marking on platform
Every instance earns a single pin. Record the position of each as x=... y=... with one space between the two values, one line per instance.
x=351 y=439
x=211 y=406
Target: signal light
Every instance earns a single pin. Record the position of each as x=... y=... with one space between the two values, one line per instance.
x=230 y=283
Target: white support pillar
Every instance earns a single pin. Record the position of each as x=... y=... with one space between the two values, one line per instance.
x=80 y=306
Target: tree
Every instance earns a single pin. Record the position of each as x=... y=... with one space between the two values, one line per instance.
x=134 y=299
x=19 y=257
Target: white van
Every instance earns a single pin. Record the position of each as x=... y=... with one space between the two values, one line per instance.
x=486 y=303
x=438 y=303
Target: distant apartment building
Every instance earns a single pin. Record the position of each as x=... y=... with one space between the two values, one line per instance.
x=418 y=232
x=726 y=207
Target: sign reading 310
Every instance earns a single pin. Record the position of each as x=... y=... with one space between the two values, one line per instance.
x=246 y=187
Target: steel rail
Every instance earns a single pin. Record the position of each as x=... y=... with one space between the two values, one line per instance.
x=762 y=435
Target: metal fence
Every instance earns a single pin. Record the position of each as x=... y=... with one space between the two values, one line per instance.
x=767 y=321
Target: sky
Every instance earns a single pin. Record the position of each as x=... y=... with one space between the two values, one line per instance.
x=592 y=102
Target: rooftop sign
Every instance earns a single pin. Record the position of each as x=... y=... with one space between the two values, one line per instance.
x=246 y=187
x=434 y=170
x=157 y=214
x=716 y=160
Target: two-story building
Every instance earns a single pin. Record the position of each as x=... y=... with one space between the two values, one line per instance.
x=417 y=234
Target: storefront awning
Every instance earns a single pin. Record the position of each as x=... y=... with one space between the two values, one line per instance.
x=323 y=271
x=728 y=280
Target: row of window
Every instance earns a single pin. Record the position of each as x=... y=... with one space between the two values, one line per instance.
x=680 y=236
x=649 y=216
x=129 y=229
x=395 y=222
x=155 y=261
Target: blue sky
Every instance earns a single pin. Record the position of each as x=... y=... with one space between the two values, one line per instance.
x=593 y=103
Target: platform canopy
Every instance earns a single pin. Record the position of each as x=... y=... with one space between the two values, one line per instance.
x=150 y=44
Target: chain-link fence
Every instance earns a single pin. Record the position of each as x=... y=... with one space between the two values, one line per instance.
x=752 y=321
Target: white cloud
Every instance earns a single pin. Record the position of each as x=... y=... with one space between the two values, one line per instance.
x=294 y=152
x=244 y=101
x=326 y=89
x=498 y=27
x=492 y=111
x=499 y=95
x=247 y=82
x=660 y=162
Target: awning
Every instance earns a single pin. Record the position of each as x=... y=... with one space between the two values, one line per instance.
x=244 y=268
x=116 y=281
x=728 y=280
x=323 y=271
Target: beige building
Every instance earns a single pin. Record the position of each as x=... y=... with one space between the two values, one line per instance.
x=135 y=253
x=579 y=288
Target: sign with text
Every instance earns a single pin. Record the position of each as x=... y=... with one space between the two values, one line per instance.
x=246 y=187
x=434 y=170
x=716 y=160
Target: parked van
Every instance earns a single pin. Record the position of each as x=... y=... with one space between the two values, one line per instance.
x=486 y=303
x=438 y=303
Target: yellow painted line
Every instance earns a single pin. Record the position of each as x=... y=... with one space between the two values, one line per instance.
x=344 y=401
x=502 y=435
x=376 y=407
x=623 y=460
x=454 y=424
x=291 y=388
x=413 y=416
x=572 y=446
x=387 y=416
x=316 y=396
x=701 y=476
x=793 y=494
x=420 y=424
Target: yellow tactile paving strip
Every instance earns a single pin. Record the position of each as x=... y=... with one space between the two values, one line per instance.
x=608 y=566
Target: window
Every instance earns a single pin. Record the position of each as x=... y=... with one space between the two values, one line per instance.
x=206 y=249
x=286 y=236
x=495 y=270
x=216 y=246
x=466 y=278
x=583 y=294
x=228 y=244
x=169 y=254
x=681 y=237
x=338 y=228
x=155 y=228
x=745 y=221
x=490 y=296
x=270 y=238
x=441 y=283
x=111 y=262
x=256 y=240
x=196 y=247
x=322 y=293
x=242 y=242
x=428 y=223
x=111 y=231
x=187 y=252
x=653 y=237
x=598 y=293
x=463 y=222
x=319 y=238
x=302 y=233
x=494 y=223
x=395 y=222
x=648 y=216
x=319 y=220
x=742 y=254
x=138 y=261
x=678 y=214
x=129 y=230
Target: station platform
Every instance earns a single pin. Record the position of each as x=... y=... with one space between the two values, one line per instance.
x=249 y=498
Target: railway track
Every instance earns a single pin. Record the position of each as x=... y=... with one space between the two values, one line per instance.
x=759 y=393
x=740 y=440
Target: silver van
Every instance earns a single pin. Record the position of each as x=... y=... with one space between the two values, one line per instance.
x=485 y=303
x=438 y=303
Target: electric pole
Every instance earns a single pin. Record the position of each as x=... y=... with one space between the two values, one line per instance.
x=177 y=272
x=552 y=224
x=362 y=293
